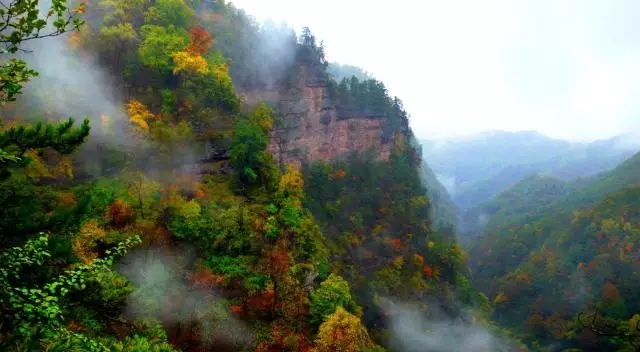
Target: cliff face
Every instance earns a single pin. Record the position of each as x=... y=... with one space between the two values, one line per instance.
x=311 y=126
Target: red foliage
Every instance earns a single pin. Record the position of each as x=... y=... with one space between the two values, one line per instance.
x=428 y=270
x=201 y=41
x=238 y=311
x=396 y=243
x=279 y=261
x=610 y=292
x=260 y=304
x=120 y=213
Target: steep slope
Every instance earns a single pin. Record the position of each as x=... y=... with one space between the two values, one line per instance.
x=530 y=195
x=443 y=210
x=266 y=207
x=361 y=169
x=483 y=165
x=549 y=244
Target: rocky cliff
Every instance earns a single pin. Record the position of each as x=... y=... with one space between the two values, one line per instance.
x=313 y=125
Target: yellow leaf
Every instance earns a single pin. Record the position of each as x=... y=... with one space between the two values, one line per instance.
x=184 y=61
x=139 y=114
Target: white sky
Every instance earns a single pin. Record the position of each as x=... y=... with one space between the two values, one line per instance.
x=566 y=68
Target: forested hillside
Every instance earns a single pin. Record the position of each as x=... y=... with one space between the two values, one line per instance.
x=559 y=260
x=478 y=167
x=224 y=193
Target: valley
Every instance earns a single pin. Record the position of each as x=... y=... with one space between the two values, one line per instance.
x=177 y=176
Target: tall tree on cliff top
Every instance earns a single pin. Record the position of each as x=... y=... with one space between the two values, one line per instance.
x=20 y=21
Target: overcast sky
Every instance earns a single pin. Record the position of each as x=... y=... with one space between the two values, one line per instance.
x=567 y=68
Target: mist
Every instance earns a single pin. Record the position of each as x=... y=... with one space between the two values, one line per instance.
x=162 y=295
x=413 y=332
x=71 y=85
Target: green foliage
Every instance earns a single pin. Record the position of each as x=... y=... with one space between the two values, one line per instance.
x=39 y=308
x=167 y=13
x=249 y=156
x=333 y=292
x=567 y=248
x=22 y=21
x=230 y=267
x=158 y=44
x=61 y=137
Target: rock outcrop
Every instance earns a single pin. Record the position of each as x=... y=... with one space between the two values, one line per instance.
x=312 y=127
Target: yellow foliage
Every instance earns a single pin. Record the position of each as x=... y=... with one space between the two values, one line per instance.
x=500 y=298
x=292 y=183
x=37 y=167
x=262 y=115
x=344 y=332
x=84 y=243
x=190 y=209
x=66 y=198
x=430 y=244
x=64 y=167
x=398 y=262
x=139 y=114
x=184 y=61
x=418 y=282
x=634 y=322
x=415 y=202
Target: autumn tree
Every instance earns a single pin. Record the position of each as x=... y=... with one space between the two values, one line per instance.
x=334 y=292
x=342 y=331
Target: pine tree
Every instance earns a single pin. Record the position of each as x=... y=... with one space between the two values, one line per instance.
x=24 y=22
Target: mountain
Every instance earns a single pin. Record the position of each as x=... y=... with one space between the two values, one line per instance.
x=228 y=191
x=482 y=165
x=552 y=250
x=538 y=196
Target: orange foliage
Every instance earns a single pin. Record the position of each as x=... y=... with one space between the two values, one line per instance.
x=85 y=242
x=396 y=243
x=66 y=199
x=556 y=325
x=119 y=213
x=628 y=247
x=418 y=259
x=610 y=292
x=139 y=114
x=262 y=303
x=340 y=173
x=535 y=320
x=279 y=261
x=204 y=278
x=237 y=309
x=524 y=278
x=428 y=270
x=201 y=41
x=151 y=233
x=354 y=242
x=258 y=223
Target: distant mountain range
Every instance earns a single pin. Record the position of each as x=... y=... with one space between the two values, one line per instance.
x=476 y=168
